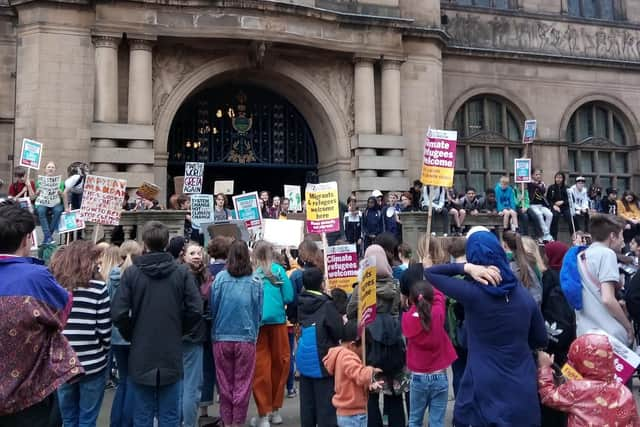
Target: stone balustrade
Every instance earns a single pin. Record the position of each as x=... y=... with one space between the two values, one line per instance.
x=130 y=220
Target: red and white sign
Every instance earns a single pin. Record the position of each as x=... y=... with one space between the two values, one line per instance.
x=342 y=267
x=102 y=199
x=439 y=160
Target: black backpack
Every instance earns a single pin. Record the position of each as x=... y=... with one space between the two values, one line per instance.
x=558 y=315
x=385 y=344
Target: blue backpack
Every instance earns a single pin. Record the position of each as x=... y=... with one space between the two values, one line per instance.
x=307 y=357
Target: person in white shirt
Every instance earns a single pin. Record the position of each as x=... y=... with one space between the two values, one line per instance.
x=579 y=203
x=437 y=196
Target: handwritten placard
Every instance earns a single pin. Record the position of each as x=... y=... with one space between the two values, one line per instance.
x=148 y=191
x=201 y=208
x=48 y=191
x=102 y=199
x=193 y=177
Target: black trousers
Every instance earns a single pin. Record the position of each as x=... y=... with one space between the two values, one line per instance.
x=316 y=408
x=564 y=213
x=630 y=233
x=43 y=414
x=393 y=407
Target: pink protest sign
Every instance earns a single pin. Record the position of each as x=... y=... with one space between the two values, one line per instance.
x=342 y=267
x=439 y=158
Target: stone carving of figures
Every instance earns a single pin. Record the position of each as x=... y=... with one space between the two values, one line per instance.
x=571 y=36
x=601 y=43
x=627 y=45
x=455 y=28
x=555 y=38
x=525 y=34
x=543 y=34
x=587 y=42
x=499 y=29
x=614 y=44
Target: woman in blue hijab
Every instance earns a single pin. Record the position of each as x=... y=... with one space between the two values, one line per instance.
x=504 y=326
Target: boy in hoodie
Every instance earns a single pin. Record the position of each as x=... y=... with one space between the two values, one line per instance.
x=157 y=304
x=353 y=380
x=538 y=205
x=596 y=399
x=321 y=326
x=506 y=201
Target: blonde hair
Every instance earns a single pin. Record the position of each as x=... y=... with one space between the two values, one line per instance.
x=109 y=259
x=128 y=250
x=263 y=258
x=532 y=247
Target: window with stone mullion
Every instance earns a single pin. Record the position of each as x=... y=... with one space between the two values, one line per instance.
x=595 y=9
x=494 y=4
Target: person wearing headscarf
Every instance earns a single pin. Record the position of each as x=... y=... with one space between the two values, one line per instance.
x=503 y=325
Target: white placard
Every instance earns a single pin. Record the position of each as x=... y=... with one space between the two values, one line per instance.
x=224 y=187
x=283 y=233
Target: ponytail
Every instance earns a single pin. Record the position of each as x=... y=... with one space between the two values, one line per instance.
x=421 y=295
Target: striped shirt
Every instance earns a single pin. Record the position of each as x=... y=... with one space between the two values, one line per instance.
x=88 y=328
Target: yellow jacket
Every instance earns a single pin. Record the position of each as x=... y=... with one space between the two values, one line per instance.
x=633 y=213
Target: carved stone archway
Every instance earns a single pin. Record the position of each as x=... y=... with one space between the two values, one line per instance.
x=328 y=123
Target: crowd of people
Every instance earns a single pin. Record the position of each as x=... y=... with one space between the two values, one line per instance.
x=178 y=322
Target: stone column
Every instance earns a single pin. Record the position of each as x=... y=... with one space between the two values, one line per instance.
x=140 y=103
x=390 y=105
x=365 y=105
x=106 y=91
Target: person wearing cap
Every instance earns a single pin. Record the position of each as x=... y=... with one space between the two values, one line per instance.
x=610 y=205
x=379 y=198
x=579 y=203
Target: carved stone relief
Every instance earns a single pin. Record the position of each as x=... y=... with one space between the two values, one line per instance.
x=533 y=36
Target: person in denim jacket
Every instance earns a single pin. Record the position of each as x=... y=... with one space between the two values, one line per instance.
x=236 y=313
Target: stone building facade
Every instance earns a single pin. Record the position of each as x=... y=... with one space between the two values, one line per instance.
x=264 y=90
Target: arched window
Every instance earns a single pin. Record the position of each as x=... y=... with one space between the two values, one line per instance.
x=489 y=136
x=595 y=9
x=599 y=146
x=495 y=4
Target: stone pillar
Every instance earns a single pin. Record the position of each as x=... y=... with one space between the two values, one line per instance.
x=106 y=91
x=140 y=103
x=391 y=117
x=365 y=105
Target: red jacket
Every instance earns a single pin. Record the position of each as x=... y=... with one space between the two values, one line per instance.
x=428 y=351
x=597 y=399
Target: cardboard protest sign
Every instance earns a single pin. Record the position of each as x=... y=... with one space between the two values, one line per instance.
x=224 y=187
x=522 y=170
x=102 y=199
x=193 y=176
x=148 y=191
x=201 y=208
x=247 y=209
x=294 y=194
x=529 y=134
x=31 y=154
x=342 y=267
x=70 y=221
x=48 y=191
x=439 y=159
x=323 y=215
x=366 y=293
x=283 y=233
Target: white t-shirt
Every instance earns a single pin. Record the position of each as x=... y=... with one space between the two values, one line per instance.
x=603 y=265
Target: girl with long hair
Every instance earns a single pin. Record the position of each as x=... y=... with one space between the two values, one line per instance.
x=429 y=354
x=272 y=351
x=122 y=407
x=236 y=310
x=629 y=210
x=522 y=263
x=88 y=330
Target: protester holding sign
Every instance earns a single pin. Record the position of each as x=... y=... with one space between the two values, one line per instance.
x=20 y=187
x=49 y=188
x=220 y=211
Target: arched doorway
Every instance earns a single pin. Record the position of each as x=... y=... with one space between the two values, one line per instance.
x=245 y=133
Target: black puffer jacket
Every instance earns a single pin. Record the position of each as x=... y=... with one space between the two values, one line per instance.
x=157 y=303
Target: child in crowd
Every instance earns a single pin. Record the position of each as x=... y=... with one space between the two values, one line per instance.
x=405 y=254
x=488 y=204
x=352 y=379
x=20 y=187
x=352 y=223
x=609 y=205
x=579 y=203
x=429 y=354
x=596 y=399
x=470 y=202
x=539 y=205
x=506 y=201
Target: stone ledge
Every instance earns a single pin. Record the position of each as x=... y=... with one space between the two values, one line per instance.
x=380 y=163
x=122 y=131
x=121 y=155
x=390 y=142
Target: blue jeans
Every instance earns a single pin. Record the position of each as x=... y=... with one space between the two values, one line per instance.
x=191 y=383
x=359 y=420
x=156 y=401
x=122 y=408
x=428 y=391
x=48 y=228
x=80 y=402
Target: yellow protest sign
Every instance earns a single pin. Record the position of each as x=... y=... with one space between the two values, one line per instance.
x=367 y=293
x=439 y=159
x=323 y=214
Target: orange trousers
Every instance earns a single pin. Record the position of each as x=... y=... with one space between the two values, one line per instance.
x=272 y=368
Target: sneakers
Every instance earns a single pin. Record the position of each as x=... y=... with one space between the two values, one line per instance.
x=292 y=393
x=275 y=418
x=260 y=422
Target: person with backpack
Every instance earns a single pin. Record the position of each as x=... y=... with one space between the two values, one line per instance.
x=321 y=329
x=385 y=345
x=503 y=326
x=429 y=354
x=590 y=279
x=272 y=351
x=157 y=304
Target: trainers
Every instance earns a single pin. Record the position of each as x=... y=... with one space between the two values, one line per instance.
x=292 y=393
x=275 y=418
x=260 y=422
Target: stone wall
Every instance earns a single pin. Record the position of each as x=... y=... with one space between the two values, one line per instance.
x=7 y=94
